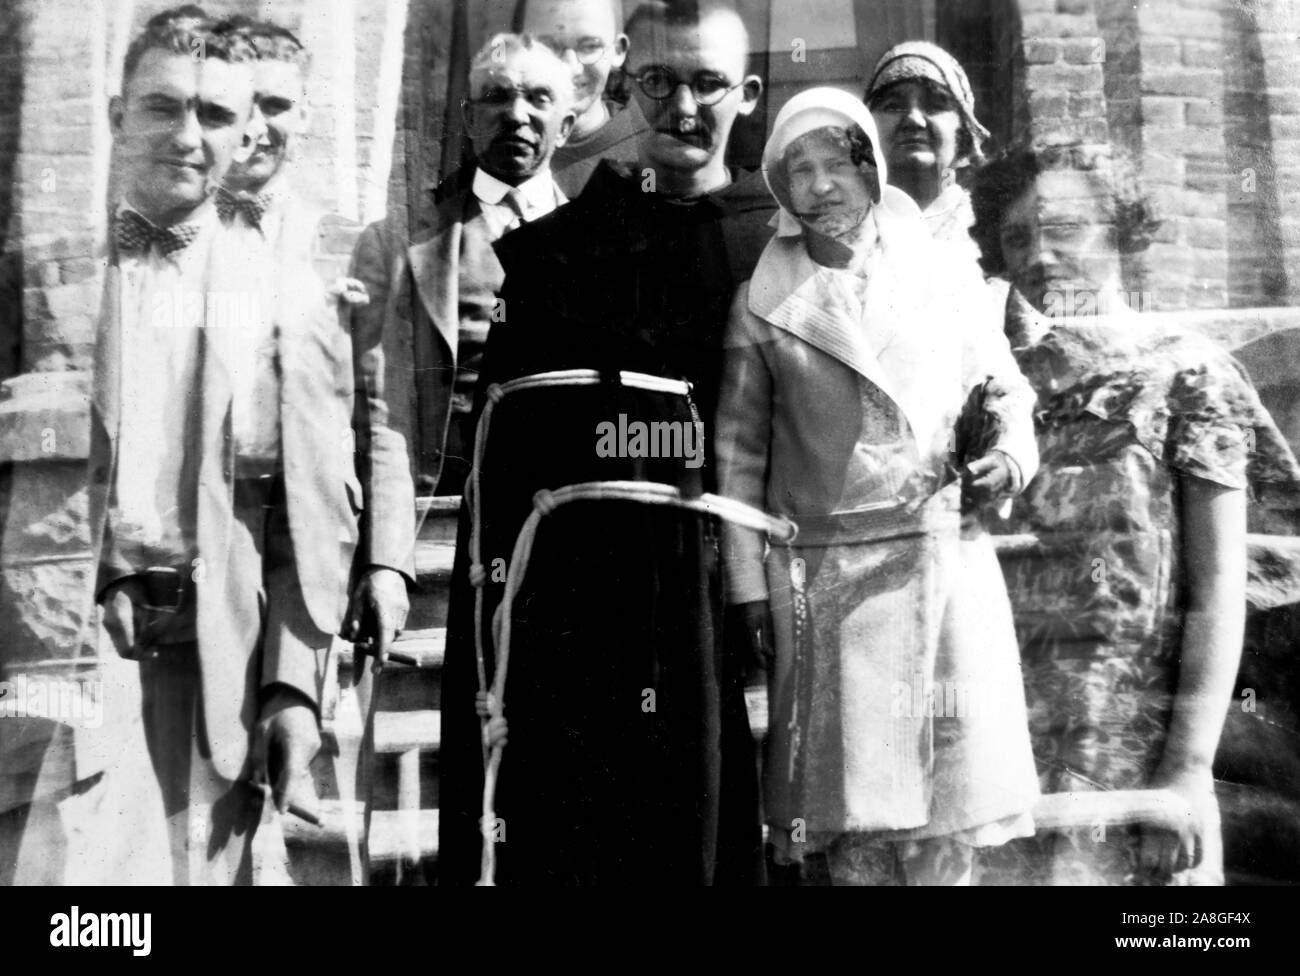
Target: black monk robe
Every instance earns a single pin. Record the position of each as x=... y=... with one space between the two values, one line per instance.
x=630 y=759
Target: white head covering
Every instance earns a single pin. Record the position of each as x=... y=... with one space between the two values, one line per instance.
x=815 y=109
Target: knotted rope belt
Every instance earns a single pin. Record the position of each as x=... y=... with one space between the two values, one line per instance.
x=495 y=394
x=544 y=503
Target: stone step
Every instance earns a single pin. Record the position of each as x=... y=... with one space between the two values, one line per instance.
x=428 y=646
x=433 y=560
x=394 y=834
x=431 y=596
x=398 y=732
x=403 y=687
x=437 y=516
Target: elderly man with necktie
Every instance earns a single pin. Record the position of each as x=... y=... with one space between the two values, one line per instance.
x=433 y=298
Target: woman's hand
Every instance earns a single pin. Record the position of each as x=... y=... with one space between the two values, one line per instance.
x=1162 y=853
x=987 y=479
x=748 y=630
x=1214 y=538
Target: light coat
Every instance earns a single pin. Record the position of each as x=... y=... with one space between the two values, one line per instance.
x=323 y=494
x=839 y=413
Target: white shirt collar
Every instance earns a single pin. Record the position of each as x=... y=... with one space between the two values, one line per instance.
x=538 y=195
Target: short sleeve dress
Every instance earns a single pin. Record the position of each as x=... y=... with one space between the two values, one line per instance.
x=1124 y=410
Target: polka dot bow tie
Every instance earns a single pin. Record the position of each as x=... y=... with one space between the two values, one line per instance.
x=253 y=208
x=134 y=233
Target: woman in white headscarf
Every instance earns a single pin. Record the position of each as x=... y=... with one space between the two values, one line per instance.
x=897 y=741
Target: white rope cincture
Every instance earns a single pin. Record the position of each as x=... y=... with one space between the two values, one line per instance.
x=781 y=530
x=497 y=392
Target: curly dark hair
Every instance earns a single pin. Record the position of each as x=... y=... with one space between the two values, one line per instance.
x=999 y=183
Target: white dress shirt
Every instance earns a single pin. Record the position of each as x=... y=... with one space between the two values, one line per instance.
x=536 y=197
x=252 y=361
x=161 y=312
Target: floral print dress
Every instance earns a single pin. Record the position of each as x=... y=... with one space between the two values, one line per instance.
x=1125 y=411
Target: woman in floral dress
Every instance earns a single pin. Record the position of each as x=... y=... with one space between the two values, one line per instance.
x=1130 y=607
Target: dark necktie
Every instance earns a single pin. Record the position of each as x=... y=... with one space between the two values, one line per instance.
x=133 y=232
x=253 y=208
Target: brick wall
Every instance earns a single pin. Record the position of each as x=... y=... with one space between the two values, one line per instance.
x=60 y=181
x=1060 y=100
x=1262 y=126
x=1277 y=24
x=1165 y=83
x=1050 y=55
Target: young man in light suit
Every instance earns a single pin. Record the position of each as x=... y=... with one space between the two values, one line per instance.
x=222 y=497
x=258 y=202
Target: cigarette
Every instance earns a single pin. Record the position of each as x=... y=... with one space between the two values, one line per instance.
x=304 y=814
x=366 y=647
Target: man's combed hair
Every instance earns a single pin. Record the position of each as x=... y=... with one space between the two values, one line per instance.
x=521 y=10
x=616 y=87
x=185 y=30
x=501 y=46
x=999 y=183
x=680 y=13
x=271 y=41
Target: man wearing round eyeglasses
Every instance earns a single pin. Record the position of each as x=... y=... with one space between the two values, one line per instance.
x=587 y=35
x=635 y=275
x=691 y=86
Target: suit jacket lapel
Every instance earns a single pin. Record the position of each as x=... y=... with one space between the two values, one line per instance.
x=215 y=513
x=108 y=353
x=435 y=267
x=786 y=292
x=105 y=417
